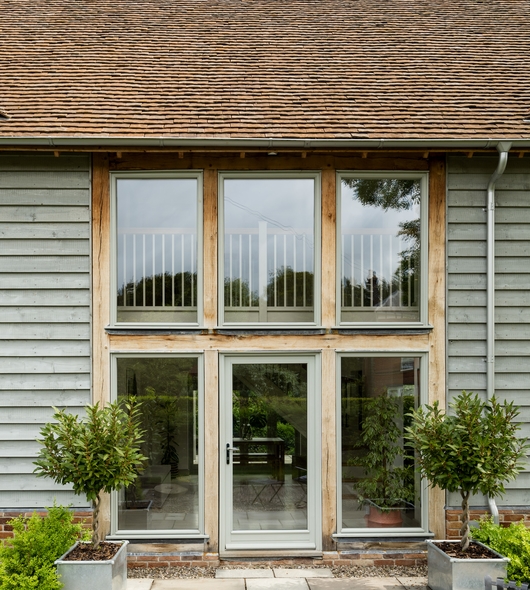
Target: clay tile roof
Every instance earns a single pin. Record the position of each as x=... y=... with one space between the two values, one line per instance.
x=324 y=69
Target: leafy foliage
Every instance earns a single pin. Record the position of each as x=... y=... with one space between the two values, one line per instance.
x=512 y=542
x=476 y=450
x=26 y=560
x=387 y=193
x=386 y=485
x=98 y=454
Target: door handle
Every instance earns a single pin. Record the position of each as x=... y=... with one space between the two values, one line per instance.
x=228 y=449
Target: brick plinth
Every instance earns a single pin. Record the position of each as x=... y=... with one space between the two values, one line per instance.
x=506 y=517
x=401 y=556
x=6 y=530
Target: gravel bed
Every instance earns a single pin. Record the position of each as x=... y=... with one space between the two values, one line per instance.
x=338 y=571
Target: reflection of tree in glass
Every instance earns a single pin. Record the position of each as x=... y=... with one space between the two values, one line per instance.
x=387 y=193
x=289 y=288
x=179 y=290
x=285 y=288
x=399 y=195
x=238 y=294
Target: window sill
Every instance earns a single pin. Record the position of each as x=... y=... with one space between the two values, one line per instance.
x=383 y=330
x=151 y=331
x=370 y=536
x=132 y=536
x=270 y=331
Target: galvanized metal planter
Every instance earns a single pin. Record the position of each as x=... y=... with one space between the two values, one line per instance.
x=103 y=575
x=451 y=573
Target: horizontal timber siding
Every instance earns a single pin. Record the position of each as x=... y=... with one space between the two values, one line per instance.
x=44 y=313
x=467 y=181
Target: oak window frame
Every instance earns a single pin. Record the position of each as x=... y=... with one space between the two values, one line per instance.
x=155 y=175
x=423 y=394
x=423 y=178
x=316 y=176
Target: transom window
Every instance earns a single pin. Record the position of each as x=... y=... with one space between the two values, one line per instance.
x=382 y=247
x=270 y=248
x=157 y=217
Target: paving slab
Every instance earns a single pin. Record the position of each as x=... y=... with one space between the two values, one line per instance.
x=139 y=583
x=283 y=572
x=413 y=583
x=244 y=573
x=354 y=583
x=277 y=584
x=199 y=584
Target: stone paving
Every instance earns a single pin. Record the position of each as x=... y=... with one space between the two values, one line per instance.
x=279 y=579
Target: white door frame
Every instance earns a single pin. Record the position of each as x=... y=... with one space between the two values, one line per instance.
x=310 y=539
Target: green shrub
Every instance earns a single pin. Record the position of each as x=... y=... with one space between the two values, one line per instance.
x=512 y=542
x=26 y=560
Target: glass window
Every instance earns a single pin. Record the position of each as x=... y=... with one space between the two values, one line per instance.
x=165 y=496
x=156 y=266
x=268 y=249
x=381 y=245
x=379 y=487
x=269 y=406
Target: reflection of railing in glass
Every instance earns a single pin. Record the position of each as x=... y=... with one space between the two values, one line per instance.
x=157 y=268
x=378 y=271
x=268 y=267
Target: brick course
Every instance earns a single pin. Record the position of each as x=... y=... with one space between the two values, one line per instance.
x=506 y=517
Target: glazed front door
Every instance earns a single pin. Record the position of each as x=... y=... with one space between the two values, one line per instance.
x=270 y=450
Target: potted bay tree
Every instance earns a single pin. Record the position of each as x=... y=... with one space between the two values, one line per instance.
x=97 y=454
x=475 y=449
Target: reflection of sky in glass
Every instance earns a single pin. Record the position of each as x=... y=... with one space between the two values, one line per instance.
x=283 y=202
x=370 y=241
x=157 y=227
x=283 y=208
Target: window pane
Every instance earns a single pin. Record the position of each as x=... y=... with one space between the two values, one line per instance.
x=166 y=493
x=380 y=488
x=380 y=250
x=270 y=473
x=269 y=249
x=157 y=250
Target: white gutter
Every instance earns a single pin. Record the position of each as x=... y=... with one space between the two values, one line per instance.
x=503 y=149
x=264 y=143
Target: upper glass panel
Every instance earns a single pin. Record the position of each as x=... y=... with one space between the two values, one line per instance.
x=380 y=249
x=269 y=250
x=156 y=250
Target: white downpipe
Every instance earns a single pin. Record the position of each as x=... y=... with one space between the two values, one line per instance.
x=503 y=149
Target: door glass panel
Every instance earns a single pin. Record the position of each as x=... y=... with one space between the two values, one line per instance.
x=157 y=250
x=269 y=255
x=270 y=469
x=380 y=250
x=380 y=488
x=165 y=495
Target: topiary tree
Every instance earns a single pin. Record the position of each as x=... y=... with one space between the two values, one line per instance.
x=100 y=453
x=475 y=450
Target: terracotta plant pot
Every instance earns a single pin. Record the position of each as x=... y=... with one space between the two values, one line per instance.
x=376 y=518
